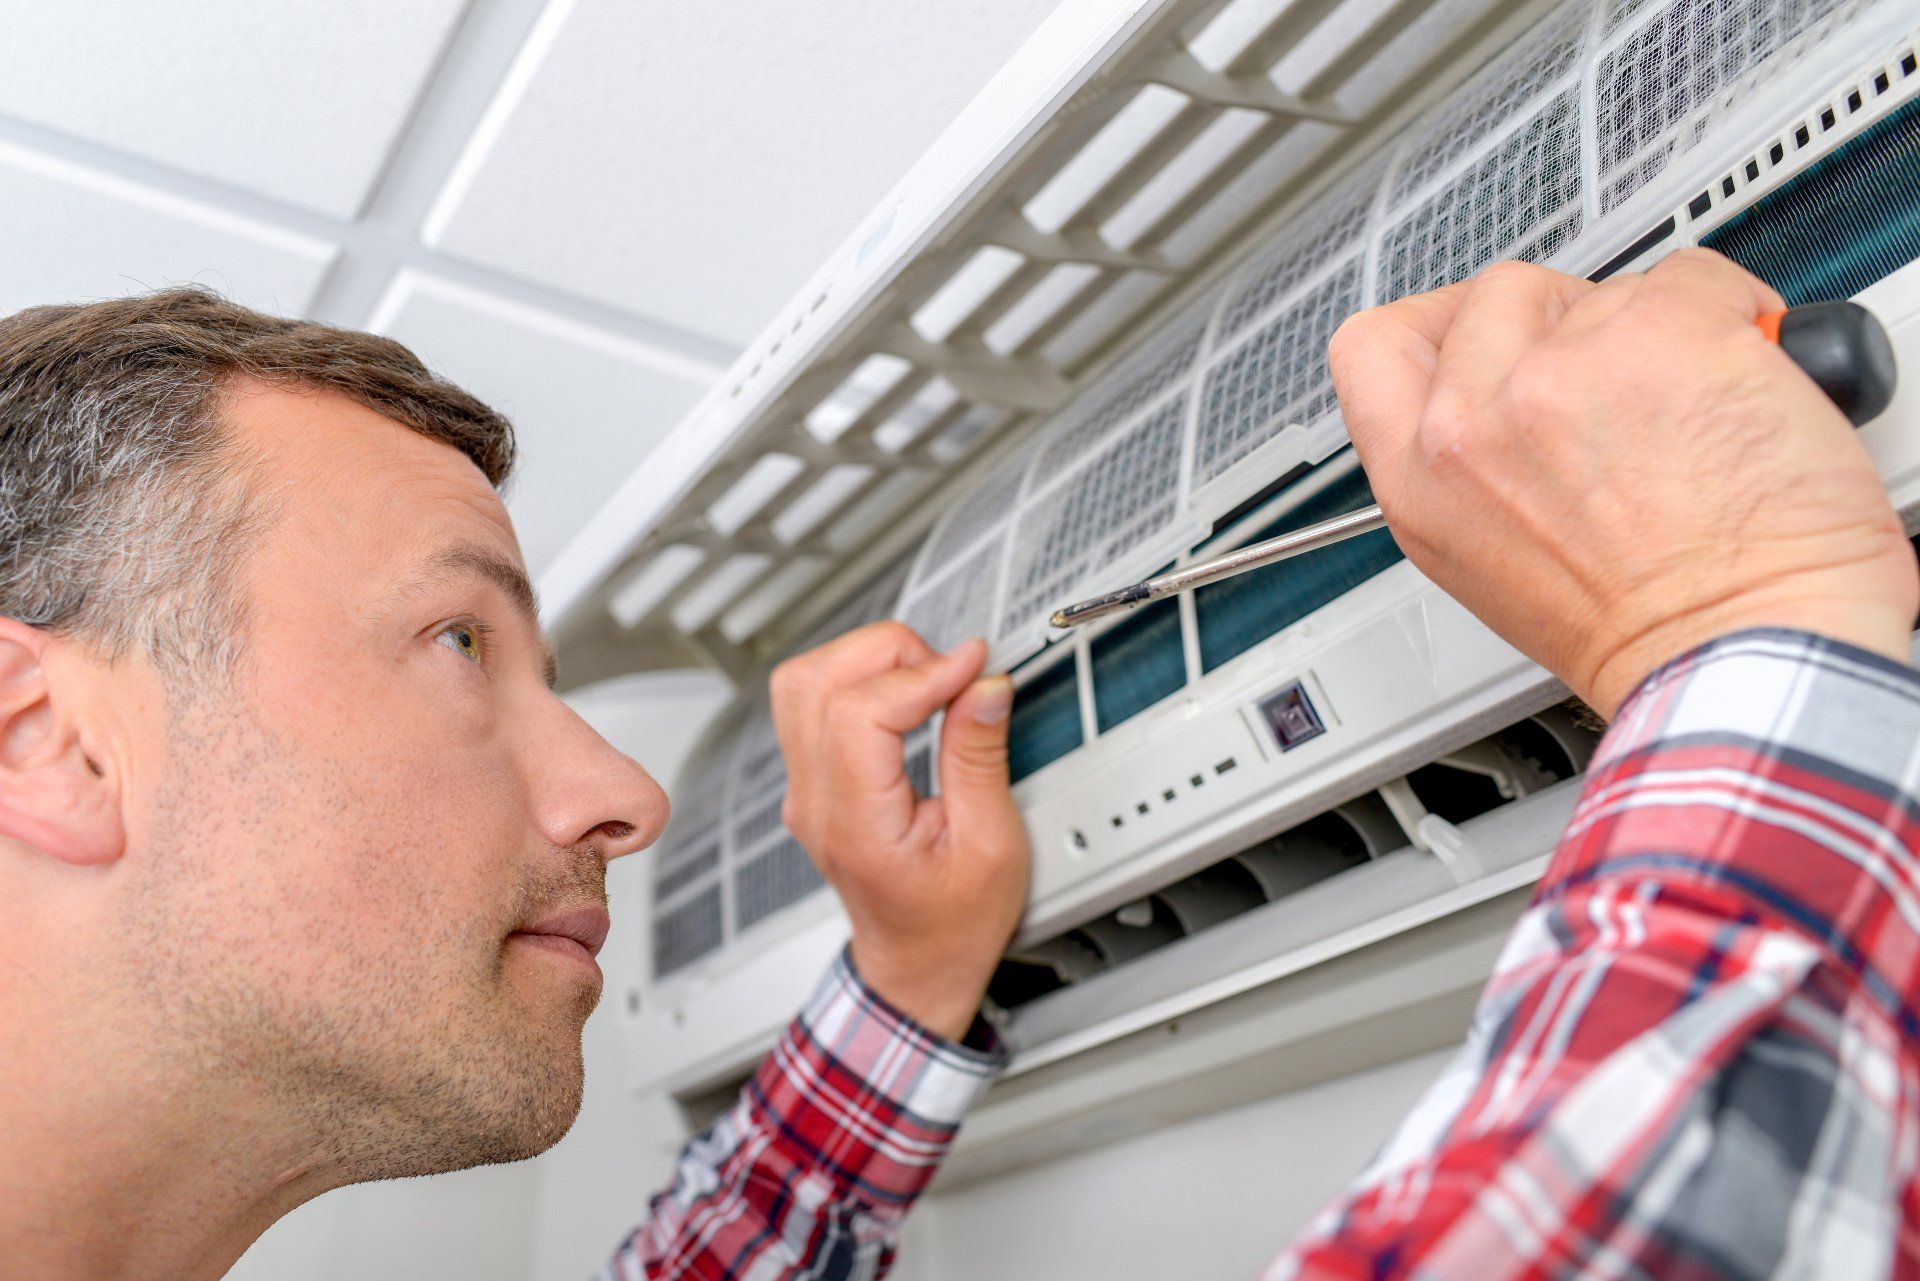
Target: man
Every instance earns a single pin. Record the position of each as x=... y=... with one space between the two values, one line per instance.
x=307 y=859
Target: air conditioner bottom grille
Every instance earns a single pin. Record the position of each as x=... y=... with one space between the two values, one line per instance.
x=1529 y=756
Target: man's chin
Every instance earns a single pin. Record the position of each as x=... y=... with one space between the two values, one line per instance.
x=517 y=1118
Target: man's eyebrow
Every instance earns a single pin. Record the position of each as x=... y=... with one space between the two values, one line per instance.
x=473 y=560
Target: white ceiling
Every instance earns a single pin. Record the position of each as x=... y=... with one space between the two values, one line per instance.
x=715 y=153
x=580 y=209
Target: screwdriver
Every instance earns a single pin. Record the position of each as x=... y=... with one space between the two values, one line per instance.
x=1840 y=345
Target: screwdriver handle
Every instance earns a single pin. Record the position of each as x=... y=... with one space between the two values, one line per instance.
x=1844 y=349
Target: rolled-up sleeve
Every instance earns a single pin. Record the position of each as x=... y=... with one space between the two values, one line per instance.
x=812 y=1171
x=1696 y=1056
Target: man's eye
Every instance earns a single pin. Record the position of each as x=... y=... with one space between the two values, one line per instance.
x=463 y=639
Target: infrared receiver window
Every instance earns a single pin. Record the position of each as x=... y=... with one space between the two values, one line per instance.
x=1290 y=713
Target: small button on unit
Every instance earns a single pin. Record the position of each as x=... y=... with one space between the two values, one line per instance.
x=1292 y=716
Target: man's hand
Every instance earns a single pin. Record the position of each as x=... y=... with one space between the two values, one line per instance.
x=1609 y=475
x=933 y=887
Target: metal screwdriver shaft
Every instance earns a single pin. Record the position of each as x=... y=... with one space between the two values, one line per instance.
x=1840 y=345
x=1253 y=556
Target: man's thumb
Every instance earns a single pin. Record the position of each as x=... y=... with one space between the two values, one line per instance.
x=973 y=745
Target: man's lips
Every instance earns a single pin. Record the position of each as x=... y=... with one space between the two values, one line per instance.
x=584 y=927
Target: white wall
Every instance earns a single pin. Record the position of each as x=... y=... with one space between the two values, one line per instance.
x=1216 y=1196
x=474 y=1225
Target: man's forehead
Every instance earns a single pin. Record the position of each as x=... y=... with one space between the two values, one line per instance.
x=369 y=498
x=339 y=459
x=298 y=426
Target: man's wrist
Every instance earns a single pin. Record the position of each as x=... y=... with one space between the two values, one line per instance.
x=943 y=998
x=1869 y=626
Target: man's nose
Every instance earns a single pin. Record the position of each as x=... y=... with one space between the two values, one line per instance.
x=587 y=791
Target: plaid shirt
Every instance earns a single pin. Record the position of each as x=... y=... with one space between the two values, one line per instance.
x=811 y=1172
x=1692 y=1060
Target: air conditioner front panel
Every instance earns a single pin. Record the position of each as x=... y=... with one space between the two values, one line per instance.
x=1147 y=749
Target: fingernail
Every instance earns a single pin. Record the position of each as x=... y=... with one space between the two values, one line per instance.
x=992 y=699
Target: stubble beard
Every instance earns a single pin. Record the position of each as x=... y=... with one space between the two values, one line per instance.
x=439 y=1061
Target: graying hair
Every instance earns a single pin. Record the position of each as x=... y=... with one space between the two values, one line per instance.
x=123 y=512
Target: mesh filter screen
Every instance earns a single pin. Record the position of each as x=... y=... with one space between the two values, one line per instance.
x=685 y=864
x=1655 y=89
x=758 y=820
x=759 y=755
x=686 y=933
x=1520 y=200
x=1119 y=499
x=1619 y=13
x=1335 y=229
x=768 y=882
x=1163 y=365
x=959 y=606
x=1277 y=377
x=975 y=514
x=1491 y=100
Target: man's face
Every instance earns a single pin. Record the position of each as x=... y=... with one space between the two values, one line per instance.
x=336 y=864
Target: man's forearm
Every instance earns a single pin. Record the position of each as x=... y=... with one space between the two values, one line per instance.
x=828 y=1147
x=1695 y=1055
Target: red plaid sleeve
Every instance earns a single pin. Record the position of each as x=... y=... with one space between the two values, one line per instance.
x=1696 y=1057
x=812 y=1171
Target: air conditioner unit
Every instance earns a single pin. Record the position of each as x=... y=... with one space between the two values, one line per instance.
x=1281 y=824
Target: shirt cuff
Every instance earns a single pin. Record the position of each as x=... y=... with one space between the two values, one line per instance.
x=1780 y=769
x=861 y=1096
x=935 y=1080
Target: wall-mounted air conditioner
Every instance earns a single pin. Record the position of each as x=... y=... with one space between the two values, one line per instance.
x=1280 y=824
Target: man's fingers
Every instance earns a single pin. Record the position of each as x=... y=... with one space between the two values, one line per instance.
x=801 y=686
x=1701 y=278
x=973 y=749
x=860 y=743
x=1382 y=362
x=1508 y=310
x=903 y=699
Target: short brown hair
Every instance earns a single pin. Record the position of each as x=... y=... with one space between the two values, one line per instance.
x=120 y=510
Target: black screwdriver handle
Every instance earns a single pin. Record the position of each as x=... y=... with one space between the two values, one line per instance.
x=1844 y=349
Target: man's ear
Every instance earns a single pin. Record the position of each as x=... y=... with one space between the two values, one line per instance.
x=55 y=797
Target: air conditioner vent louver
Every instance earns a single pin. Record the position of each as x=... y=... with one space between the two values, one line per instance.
x=769 y=881
x=1524 y=758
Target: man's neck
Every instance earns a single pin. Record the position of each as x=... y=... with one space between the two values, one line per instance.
x=114 y=1172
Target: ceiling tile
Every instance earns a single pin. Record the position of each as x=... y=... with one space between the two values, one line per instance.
x=696 y=162
x=301 y=102
x=69 y=234
x=587 y=406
